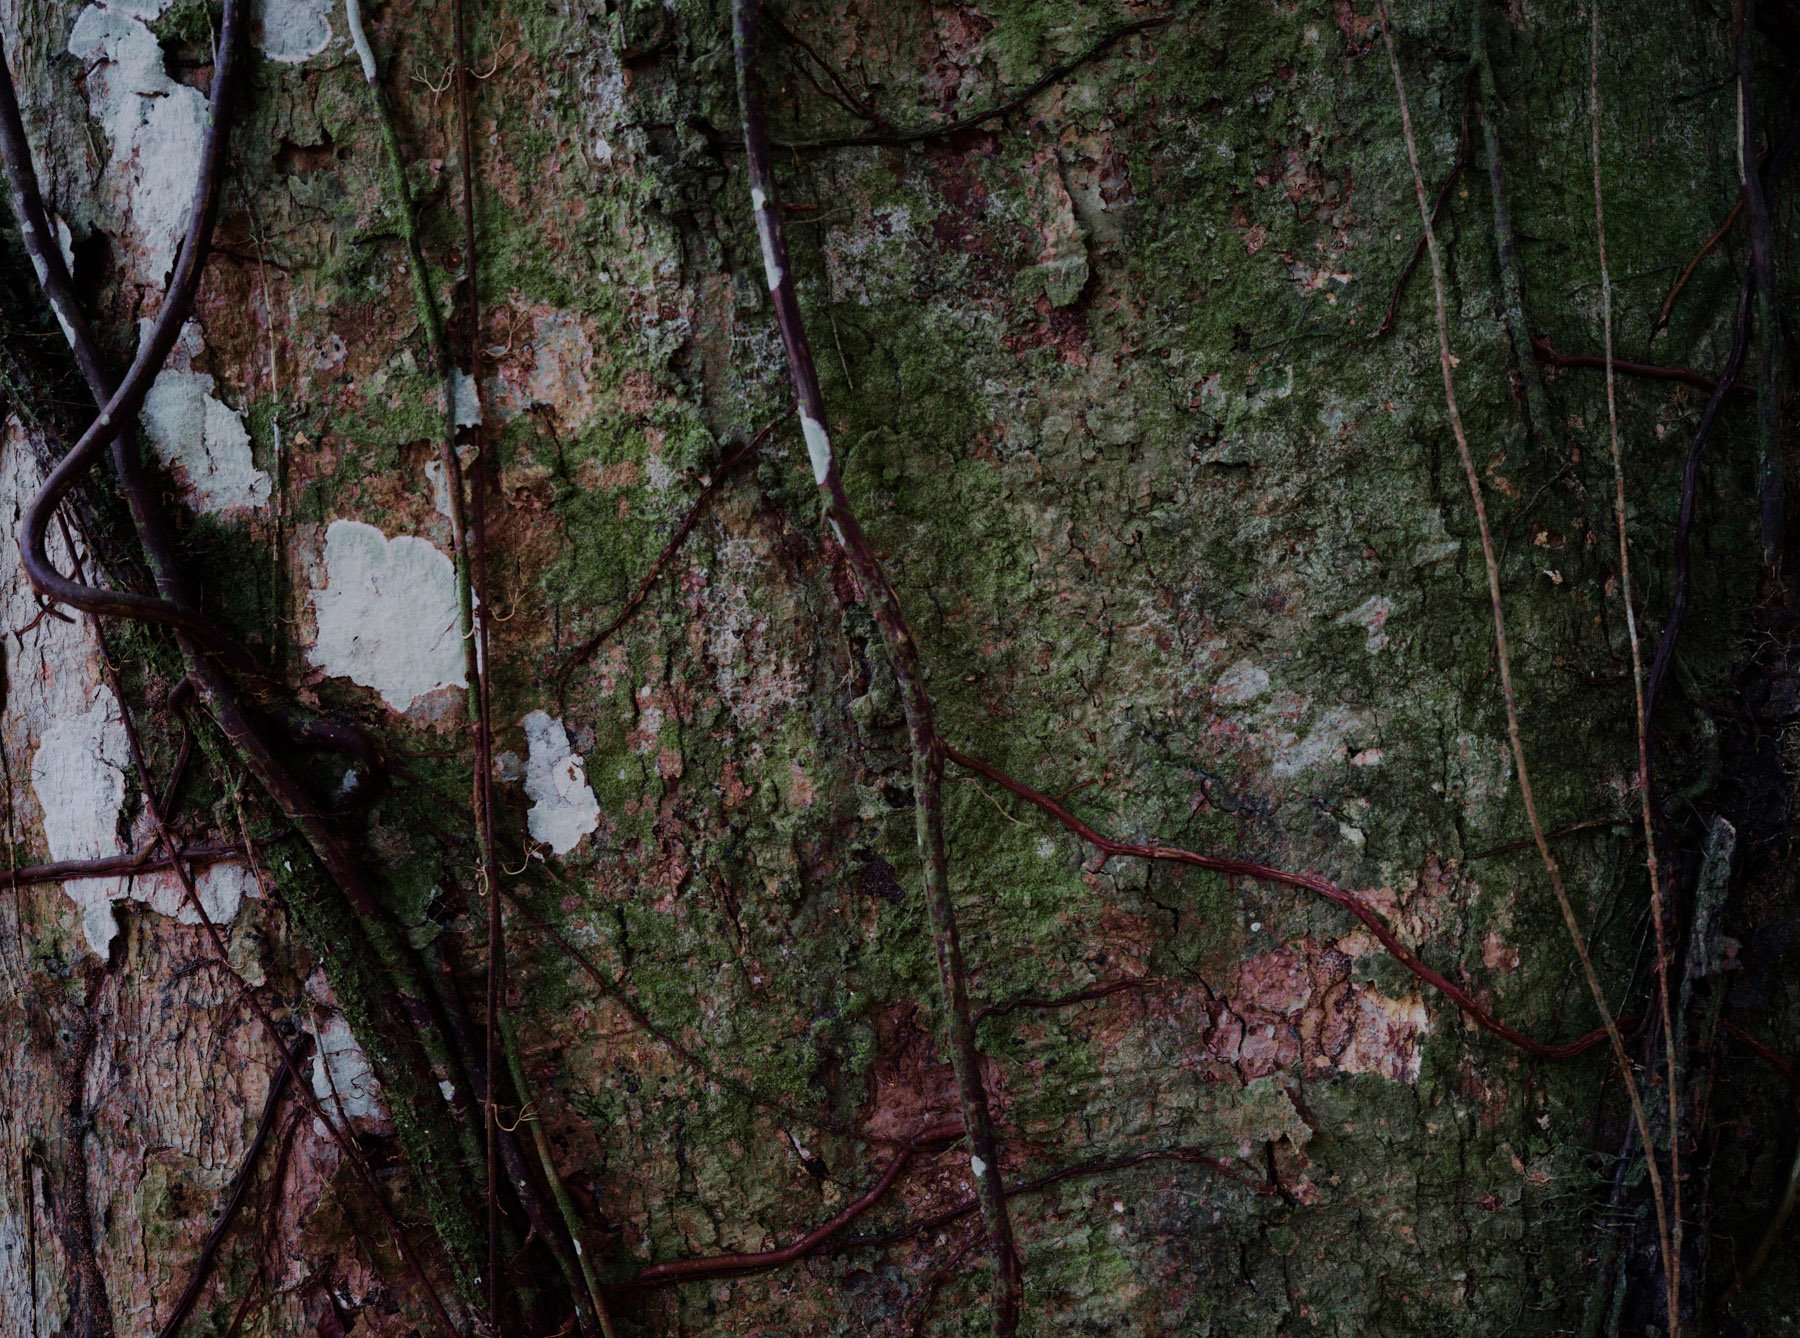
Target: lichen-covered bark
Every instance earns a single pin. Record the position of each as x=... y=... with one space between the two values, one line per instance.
x=1182 y=541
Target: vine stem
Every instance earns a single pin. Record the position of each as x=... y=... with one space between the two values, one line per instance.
x=729 y=1265
x=1551 y=356
x=1237 y=868
x=198 y=638
x=1658 y=911
x=903 y=659
x=475 y=639
x=1446 y=361
x=1770 y=487
x=502 y=1147
x=1506 y=244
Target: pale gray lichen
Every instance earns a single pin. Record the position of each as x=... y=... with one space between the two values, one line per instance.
x=78 y=776
x=154 y=126
x=563 y=806
x=200 y=437
x=387 y=615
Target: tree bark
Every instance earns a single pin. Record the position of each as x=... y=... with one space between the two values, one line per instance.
x=1033 y=830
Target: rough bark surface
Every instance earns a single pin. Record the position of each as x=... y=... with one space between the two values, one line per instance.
x=1182 y=540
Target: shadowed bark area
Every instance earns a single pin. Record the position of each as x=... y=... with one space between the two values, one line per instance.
x=900 y=733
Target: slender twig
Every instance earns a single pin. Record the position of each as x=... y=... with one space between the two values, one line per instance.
x=928 y=1289
x=1528 y=843
x=1771 y=501
x=903 y=660
x=1707 y=247
x=1438 y=202
x=475 y=640
x=1307 y=882
x=1703 y=434
x=1769 y=1055
x=565 y=1205
x=1790 y=1197
x=732 y=1265
x=1658 y=908
x=937 y=1221
x=585 y=651
x=1670 y=636
x=276 y=1181
x=240 y=1185
x=1446 y=361
x=1045 y=1004
x=148 y=860
x=615 y=990
x=962 y=125
x=468 y=535
x=1548 y=354
x=844 y=96
x=1506 y=242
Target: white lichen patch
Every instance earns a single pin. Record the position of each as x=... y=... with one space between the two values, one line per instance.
x=200 y=437
x=154 y=129
x=222 y=889
x=78 y=776
x=1372 y=616
x=756 y=681
x=1242 y=683
x=1326 y=741
x=553 y=371
x=563 y=807
x=291 y=31
x=342 y=1078
x=387 y=615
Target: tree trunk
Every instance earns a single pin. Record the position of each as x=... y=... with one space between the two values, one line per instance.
x=1130 y=544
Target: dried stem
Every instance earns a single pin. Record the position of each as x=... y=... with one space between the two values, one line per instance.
x=1772 y=503
x=1707 y=247
x=240 y=1186
x=475 y=639
x=732 y=1265
x=1506 y=243
x=468 y=533
x=1439 y=201
x=1658 y=909
x=1548 y=354
x=1323 y=887
x=937 y=1221
x=615 y=990
x=903 y=659
x=1446 y=360
x=962 y=125
x=585 y=651
x=147 y=860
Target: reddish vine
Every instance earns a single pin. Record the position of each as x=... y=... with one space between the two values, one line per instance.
x=216 y=671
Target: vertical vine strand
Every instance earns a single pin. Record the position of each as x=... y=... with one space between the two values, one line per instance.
x=1658 y=912
x=1446 y=360
x=475 y=632
x=1770 y=486
x=501 y=1145
x=903 y=659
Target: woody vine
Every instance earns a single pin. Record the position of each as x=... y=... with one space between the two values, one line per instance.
x=501 y=1243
